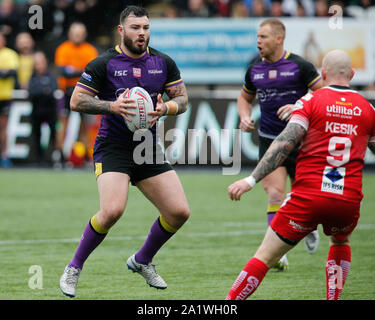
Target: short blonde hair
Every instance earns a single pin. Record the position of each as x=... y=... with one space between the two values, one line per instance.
x=276 y=25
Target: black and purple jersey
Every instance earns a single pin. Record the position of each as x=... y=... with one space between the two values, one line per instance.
x=277 y=84
x=111 y=73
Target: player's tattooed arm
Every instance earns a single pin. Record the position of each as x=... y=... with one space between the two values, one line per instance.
x=279 y=150
x=91 y=105
x=84 y=101
x=371 y=146
x=179 y=95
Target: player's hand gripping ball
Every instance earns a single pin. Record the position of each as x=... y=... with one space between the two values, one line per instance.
x=144 y=105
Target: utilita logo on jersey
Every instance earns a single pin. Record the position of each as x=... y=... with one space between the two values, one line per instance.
x=343 y=109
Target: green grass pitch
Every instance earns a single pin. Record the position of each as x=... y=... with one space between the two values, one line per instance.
x=43 y=214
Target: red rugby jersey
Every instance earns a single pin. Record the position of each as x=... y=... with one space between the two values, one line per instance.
x=339 y=123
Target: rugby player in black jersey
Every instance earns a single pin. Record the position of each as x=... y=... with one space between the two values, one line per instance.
x=109 y=77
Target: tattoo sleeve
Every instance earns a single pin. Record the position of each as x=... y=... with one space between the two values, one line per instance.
x=178 y=94
x=279 y=150
x=91 y=105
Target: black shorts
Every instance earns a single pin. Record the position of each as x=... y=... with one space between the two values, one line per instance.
x=4 y=107
x=114 y=156
x=289 y=163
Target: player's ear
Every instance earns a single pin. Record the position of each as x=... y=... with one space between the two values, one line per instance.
x=120 y=28
x=324 y=74
x=280 y=39
x=352 y=74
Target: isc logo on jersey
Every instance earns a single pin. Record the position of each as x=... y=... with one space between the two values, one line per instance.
x=121 y=73
x=140 y=121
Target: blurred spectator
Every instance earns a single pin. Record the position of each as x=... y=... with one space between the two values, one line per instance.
x=181 y=5
x=84 y=11
x=340 y=3
x=259 y=9
x=277 y=9
x=61 y=13
x=298 y=7
x=88 y=12
x=249 y=4
x=42 y=87
x=289 y=6
x=25 y=47
x=321 y=8
x=220 y=8
x=9 y=64
x=9 y=20
x=301 y=10
x=197 y=9
x=362 y=3
x=171 y=12
x=71 y=58
x=239 y=10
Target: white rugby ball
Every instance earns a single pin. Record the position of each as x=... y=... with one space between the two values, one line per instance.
x=144 y=105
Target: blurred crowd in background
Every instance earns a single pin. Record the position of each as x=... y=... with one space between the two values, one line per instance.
x=41 y=60
x=101 y=16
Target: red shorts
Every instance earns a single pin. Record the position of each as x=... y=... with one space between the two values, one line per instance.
x=301 y=214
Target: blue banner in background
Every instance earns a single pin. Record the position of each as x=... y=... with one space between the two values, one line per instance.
x=217 y=51
x=207 y=50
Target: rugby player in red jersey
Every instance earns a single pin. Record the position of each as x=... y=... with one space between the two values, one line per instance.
x=278 y=78
x=334 y=125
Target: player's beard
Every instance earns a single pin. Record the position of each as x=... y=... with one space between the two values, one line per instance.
x=133 y=48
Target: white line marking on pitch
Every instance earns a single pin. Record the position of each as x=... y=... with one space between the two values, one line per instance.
x=127 y=238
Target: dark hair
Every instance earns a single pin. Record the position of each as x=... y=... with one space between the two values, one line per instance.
x=137 y=11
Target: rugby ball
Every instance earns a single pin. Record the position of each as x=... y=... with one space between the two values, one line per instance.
x=144 y=105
